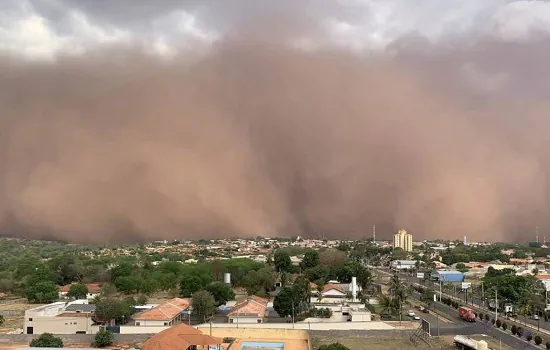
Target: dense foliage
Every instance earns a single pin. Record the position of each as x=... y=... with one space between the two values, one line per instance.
x=46 y=340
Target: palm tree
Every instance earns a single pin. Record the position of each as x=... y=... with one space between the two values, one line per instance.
x=399 y=292
x=319 y=293
x=387 y=304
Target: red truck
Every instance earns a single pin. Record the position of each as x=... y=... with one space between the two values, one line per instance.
x=467 y=314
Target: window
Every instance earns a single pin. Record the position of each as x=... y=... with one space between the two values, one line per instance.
x=230 y=320
x=166 y=323
x=137 y=323
x=30 y=319
x=259 y=320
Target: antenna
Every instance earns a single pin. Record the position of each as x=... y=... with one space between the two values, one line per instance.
x=373 y=233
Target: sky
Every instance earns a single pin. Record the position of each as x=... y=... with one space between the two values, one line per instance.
x=135 y=120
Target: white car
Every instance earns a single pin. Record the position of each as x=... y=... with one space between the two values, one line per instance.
x=416 y=317
x=411 y=313
x=535 y=317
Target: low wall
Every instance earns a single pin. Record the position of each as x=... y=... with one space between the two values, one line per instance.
x=142 y=329
x=74 y=338
x=256 y=333
x=379 y=333
x=12 y=312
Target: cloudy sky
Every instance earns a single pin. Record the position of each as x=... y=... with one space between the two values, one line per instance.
x=42 y=28
x=138 y=119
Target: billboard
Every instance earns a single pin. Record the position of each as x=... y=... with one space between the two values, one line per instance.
x=426 y=327
x=466 y=285
x=420 y=275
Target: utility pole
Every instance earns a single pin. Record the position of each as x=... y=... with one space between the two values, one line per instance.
x=482 y=294
x=374 y=234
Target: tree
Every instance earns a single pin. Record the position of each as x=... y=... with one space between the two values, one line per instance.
x=285 y=302
x=282 y=261
x=190 y=285
x=399 y=254
x=461 y=267
x=311 y=259
x=142 y=299
x=128 y=284
x=46 y=340
x=203 y=304
x=504 y=325
x=110 y=309
x=222 y=292
x=427 y=296
x=78 y=291
x=514 y=329
x=529 y=337
x=498 y=323
x=398 y=292
x=2 y=320
x=547 y=345
x=333 y=346
x=42 y=292
x=103 y=338
x=538 y=340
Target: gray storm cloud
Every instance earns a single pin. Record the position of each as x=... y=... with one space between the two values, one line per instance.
x=259 y=138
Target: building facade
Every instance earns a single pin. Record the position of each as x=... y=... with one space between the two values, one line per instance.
x=61 y=318
x=402 y=239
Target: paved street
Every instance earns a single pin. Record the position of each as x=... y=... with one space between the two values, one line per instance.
x=462 y=327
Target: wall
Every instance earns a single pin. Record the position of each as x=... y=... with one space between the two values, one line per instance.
x=245 y=320
x=141 y=329
x=84 y=339
x=12 y=312
x=48 y=324
x=150 y=323
x=256 y=333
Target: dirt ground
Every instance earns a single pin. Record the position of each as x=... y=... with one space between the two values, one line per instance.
x=377 y=344
x=493 y=344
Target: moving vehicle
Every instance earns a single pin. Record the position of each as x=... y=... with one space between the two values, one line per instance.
x=535 y=317
x=411 y=313
x=467 y=314
x=416 y=317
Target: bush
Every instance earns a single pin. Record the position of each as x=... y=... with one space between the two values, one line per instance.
x=519 y=332
x=504 y=325
x=529 y=337
x=333 y=346
x=142 y=299
x=548 y=345
x=481 y=315
x=498 y=323
x=493 y=321
x=538 y=340
x=103 y=338
x=1 y=320
x=46 y=340
x=487 y=317
x=514 y=329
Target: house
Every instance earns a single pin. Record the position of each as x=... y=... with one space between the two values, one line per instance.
x=359 y=314
x=181 y=337
x=61 y=318
x=94 y=289
x=167 y=314
x=251 y=310
x=402 y=264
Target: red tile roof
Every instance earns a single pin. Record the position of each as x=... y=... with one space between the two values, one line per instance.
x=179 y=337
x=251 y=306
x=329 y=287
x=92 y=287
x=165 y=312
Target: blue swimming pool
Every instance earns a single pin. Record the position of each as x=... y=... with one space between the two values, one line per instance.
x=262 y=345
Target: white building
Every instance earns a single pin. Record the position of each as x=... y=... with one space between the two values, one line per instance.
x=167 y=314
x=358 y=314
x=402 y=264
x=402 y=239
x=61 y=318
x=251 y=310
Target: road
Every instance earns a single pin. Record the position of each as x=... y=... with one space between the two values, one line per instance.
x=466 y=328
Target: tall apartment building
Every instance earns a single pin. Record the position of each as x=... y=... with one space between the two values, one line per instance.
x=403 y=240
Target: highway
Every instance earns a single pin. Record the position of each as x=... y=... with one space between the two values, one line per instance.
x=462 y=327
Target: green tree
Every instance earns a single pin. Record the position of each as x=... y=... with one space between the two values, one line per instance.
x=398 y=292
x=399 y=254
x=461 y=267
x=111 y=310
x=222 y=292
x=78 y=291
x=285 y=302
x=103 y=338
x=538 y=340
x=203 y=304
x=128 y=284
x=190 y=285
x=42 y=292
x=46 y=340
x=311 y=259
x=142 y=299
x=282 y=261
x=427 y=296
x=333 y=346
x=2 y=320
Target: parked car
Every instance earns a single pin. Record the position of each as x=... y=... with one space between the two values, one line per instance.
x=383 y=316
x=425 y=311
x=416 y=317
x=411 y=313
x=535 y=317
